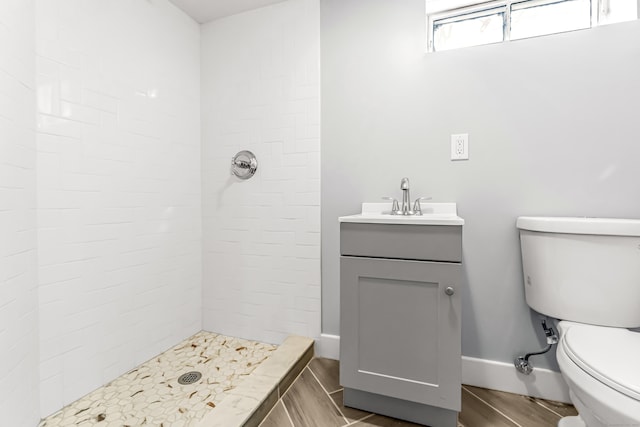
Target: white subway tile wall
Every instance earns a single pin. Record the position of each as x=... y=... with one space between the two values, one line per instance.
x=261 y=249
x=18 y=267
x=119 y=196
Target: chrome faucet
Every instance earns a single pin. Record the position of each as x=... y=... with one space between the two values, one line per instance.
x=406 y=197
x=405 y=209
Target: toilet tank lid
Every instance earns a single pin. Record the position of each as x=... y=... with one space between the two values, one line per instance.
x=610 y=355
x=580 y=225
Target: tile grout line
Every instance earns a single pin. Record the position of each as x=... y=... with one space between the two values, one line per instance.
x=547 y=408
x=490 y=406
x=281 y=395
x=361 y=419
x=269 y=413
x=286 y=411
x=326 y=391
x=332 y=401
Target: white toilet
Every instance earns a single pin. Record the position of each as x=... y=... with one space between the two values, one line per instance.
x=586 y=273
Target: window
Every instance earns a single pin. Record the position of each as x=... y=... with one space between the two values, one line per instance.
x=472 y=24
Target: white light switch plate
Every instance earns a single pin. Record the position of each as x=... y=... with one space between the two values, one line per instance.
x=460 y=146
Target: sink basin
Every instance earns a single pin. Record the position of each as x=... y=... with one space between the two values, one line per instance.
x=432 y=214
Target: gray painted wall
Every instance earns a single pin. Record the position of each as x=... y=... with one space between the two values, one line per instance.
x=554 y=125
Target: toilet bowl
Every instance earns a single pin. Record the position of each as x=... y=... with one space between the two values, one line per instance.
x=586 y=272
x=600 y=365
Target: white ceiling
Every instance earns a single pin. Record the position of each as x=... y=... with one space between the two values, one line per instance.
x=208 y=10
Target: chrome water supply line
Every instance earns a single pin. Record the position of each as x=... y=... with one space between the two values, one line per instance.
x=522 y=363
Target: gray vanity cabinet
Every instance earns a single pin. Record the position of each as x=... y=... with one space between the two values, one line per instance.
x=400 y=320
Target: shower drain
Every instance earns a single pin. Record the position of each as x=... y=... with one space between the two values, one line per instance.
x=189 y=377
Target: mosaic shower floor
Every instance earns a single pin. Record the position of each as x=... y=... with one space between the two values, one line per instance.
x=150 y=394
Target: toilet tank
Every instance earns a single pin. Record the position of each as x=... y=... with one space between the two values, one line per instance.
x=582 y=269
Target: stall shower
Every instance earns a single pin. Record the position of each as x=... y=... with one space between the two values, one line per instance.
x=123 y=232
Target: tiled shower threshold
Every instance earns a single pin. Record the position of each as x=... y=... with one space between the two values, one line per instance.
x=241 y=381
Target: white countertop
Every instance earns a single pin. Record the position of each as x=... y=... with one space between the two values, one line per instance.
x=432 y=214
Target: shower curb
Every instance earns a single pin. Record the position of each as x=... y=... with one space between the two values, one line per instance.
x=251 y=401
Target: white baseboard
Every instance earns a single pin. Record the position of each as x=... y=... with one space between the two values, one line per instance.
x=542 y=383
x=328 y=346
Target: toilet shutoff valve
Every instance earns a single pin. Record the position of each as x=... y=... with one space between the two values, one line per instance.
x=552 y=338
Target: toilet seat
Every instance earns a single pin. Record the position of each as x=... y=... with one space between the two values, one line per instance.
x=609 y=355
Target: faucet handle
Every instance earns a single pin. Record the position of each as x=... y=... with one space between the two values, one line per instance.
x=416 y=206
x=395 y=207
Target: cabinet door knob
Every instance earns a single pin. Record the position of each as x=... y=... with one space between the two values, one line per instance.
x=449 y=291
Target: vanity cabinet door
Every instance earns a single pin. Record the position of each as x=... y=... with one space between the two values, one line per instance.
x=400 y=329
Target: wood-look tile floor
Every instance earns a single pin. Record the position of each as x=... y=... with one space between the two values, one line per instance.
x=315 y=400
